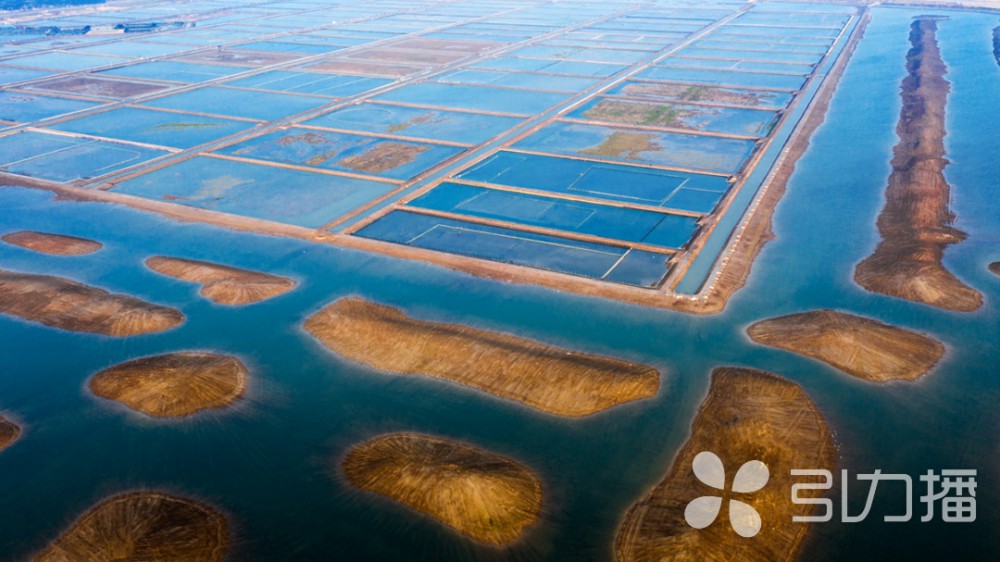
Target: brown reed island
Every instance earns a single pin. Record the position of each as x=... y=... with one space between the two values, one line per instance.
x=482 y=495
x=175 y=384
x=54 y=244
x=222 y=283
x=915 y=222
x=9 y=432
x=148 y=526
x=66 y=304
x=859 y=346
x=748 y=415
x=552 y=379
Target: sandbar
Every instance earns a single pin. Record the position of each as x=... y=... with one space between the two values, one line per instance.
x=9 y=432
x=915 y=223
x=748 y=415
x=147 y=526
x=859 y=346
x=482 y=495
x=552 y=379
x=66 y=304
x=174 y=384
x=222 y=283
x=54 y=244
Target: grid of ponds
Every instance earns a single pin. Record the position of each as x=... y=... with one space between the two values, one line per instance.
x=588 y=138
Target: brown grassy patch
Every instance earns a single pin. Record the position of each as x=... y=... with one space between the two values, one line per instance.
x=173 y=385
x=147 y=526
x=748 y=415
x=221 y=283
x=549 y=378
x=859 y=346
x=637 y=113
x=55 y=244
x=383 y=157
x=9 y=432
x=684 y=92
x=915 y=222
x=486 y=497
x=624 y=145
x=66 y=304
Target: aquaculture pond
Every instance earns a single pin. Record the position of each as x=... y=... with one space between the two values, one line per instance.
x=271 y=463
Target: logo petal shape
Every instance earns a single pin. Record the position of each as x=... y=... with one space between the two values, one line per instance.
x=701 y=512
x=708 y=468
x=752 y=476
x=745 y=519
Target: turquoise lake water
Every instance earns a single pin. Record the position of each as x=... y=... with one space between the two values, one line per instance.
x=270 y=464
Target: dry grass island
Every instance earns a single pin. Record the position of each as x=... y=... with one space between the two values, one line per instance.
x=221 y=283
x=66 y=304
x=748 y=415
x=549 y=378
x=482 y=495
x=54 y=244
x=175 y=384
x=915 y=222
x=9 y=432
x=148 y=526
x=862 y=347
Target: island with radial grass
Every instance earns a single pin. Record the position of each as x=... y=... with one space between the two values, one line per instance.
x=859 y=346
x=152 y=526
x=222 y=283
x=69 y=305
x=54 y=244
x=9 y=432
x=174 y=384
x=552 y=379
x=748 y=415
x=482 y=495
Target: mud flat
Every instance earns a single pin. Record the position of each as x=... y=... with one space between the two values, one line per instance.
x=143 y=526
x=748 y=415
x=62 y=303
x=383 y=157
x=174 y=384
x=624 y=145
x=915 y=222
x=9 y=432
x=221 y=283
x=55 y=244
x=549 y=378
x=482 y=495
x=862 y=347
x=634 y=113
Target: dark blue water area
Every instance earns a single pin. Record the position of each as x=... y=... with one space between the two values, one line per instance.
x=631 y=225
x=616 y=182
